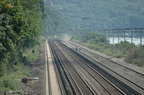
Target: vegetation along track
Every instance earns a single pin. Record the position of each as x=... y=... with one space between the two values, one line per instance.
x=101 y=64
x=80 y=86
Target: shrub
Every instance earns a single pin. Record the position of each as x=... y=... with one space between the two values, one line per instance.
x=7 y=83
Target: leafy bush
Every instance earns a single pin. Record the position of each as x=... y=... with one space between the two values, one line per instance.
x=7 y=83
x=123 y=45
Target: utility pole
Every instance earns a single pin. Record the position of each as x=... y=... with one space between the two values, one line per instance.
x=131 y=35
x=113 y=37
x=141 y=37
x=124 y=35
x=118 y=36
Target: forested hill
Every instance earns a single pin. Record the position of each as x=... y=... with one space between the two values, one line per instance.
x=100 y=14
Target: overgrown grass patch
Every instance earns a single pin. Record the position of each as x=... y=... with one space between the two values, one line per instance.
x=130 y=55
x=12 y=80
x=136 y=56
x=31 y=54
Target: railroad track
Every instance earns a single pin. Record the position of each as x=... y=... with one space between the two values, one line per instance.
x=111 y=62
x=110 y=88
x=80 y=86
x=112 y=78
x=66 y=86
x=73 y=69
x=100 y=64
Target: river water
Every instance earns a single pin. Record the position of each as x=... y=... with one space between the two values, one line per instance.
x=136 y=41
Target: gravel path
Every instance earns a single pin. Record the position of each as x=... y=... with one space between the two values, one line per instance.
x=38 y=70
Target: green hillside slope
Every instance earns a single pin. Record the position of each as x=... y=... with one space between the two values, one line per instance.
x=102 y=14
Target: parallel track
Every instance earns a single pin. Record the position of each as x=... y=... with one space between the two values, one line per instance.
x=117 y=82
x=100 y=64
x=116 y=63
x=105 y=83
x=80 y=83
x=72 y=81
x=66 y=86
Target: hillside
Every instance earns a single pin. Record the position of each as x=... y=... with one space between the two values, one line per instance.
x=102 y=14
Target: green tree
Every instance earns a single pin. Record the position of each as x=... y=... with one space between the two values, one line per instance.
x=20 y=27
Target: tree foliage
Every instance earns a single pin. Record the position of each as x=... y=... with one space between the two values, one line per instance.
x=55 y=23
x=20 y=26
x=91 y=37
x=102 y=14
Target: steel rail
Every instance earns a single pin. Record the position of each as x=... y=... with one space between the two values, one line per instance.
x=73 y=79
x=111 y=93
x=100 y=76
x=80 y=78
x=130 y=90
x=138 y=73
x=64 y=77
x=131 y=70
x=115 y=72
x=49 y=83
x=114 y=79
x=58 y=76
x=70 y=75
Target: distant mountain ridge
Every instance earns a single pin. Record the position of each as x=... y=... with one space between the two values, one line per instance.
x=102 y=14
